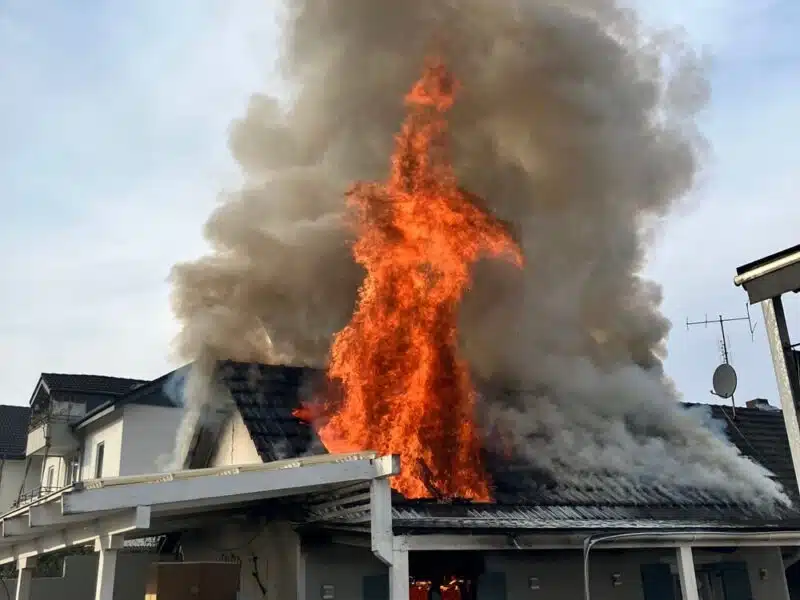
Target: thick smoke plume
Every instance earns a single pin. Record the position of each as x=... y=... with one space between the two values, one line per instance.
x=576 y=124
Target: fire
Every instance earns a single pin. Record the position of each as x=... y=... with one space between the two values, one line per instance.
x=404 y=388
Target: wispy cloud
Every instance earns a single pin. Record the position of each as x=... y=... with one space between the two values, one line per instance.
x=114 y=148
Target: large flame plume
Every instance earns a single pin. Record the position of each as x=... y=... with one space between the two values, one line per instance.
x=576 y=122
x=405 y=389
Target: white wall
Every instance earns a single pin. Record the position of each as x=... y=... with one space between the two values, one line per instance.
x=11 y=474
x=148 y=437
x=110 y=433
x=235 y=446
x=59 y=465
x=559 y=573
x=274 y=546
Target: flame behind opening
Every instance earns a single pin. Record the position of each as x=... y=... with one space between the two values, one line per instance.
x=404 y=388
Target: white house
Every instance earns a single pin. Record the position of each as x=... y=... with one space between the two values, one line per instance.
x=366 y=543
x=89 y=426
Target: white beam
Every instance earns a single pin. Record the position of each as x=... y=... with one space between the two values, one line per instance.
x=380 y=510
x=76 y=534
x=50 y=515
x=467 y=541
x=219 y=489
x=107 y=549
x=25 y=567
x=687 y=575
x=399 y=585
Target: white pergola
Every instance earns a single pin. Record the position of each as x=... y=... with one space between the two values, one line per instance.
x=105 y=511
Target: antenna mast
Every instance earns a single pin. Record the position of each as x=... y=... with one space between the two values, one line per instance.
x=725 y=369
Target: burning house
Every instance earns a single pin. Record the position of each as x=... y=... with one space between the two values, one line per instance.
x=477 y=312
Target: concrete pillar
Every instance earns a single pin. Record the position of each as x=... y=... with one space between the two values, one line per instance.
x=25 y=567
x=107 y=548
x=687 y=574
x=399 y=586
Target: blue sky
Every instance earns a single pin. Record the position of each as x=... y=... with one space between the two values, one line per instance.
x=114 y=120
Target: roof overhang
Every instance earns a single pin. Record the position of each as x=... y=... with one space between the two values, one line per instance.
x=533 y=541
x=137 y=506
x=771 y=276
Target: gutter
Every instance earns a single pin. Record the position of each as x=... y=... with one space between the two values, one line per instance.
x=761 y=271
x=97 y=414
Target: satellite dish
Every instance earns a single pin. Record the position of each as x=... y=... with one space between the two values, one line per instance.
x=724 y=380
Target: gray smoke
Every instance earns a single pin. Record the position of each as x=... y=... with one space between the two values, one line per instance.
x=576 y=123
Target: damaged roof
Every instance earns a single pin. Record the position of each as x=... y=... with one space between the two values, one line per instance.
x=267 y=395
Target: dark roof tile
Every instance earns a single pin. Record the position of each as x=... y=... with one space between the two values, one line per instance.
x=13 y=431
x=90 y=384
x=266 y=396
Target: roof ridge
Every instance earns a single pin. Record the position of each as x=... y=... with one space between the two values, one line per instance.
x=51 y=373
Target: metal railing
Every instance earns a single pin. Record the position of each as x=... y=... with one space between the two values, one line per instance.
x=37 y=420
x=35 y=494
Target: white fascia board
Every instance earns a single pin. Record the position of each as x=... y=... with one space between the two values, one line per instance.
x=467 y=541
x=57 y=538
x=188 y=492
x=766 y=269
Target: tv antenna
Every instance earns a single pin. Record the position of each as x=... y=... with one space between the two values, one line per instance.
x=724 y=379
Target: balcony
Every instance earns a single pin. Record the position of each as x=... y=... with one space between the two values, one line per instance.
x=54 y=429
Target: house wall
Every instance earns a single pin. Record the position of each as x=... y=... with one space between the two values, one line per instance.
x=59 y=466
x=559 y=573
x=80 y=576
x=11 y=475
x=343 y=567
x=235 y=446
x=110 y=433
x=273 y=549
x=148 y=437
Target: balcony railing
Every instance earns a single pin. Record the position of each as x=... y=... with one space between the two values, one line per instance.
x=35 y=494
x=37 y=420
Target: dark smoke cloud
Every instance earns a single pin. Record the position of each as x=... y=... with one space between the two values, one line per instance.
x=576 y=124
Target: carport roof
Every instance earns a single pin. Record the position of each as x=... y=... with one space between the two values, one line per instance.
x=148 y=504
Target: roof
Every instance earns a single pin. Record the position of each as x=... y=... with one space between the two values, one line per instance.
x=13 y=431
x=767 y=260
x=266 y=395
x=761 y=436
x=146 y=505
x=153 y=393
x=90 y=384
x=771 y=276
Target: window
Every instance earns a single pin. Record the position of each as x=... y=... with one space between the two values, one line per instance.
x=99 y=453
x=51 y=475
x=72 y=471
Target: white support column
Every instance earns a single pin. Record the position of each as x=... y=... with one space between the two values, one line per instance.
x=399 y=585
x=687 y=574
x=25 y=567
x=380 y=509
x=107 y=548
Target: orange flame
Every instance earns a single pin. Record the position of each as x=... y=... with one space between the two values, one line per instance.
x=404 y=389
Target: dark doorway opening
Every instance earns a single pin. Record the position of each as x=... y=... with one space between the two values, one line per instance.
x=445 y=575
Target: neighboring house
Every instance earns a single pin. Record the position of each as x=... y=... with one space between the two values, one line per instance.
x=90 y=426
x=529 y=543
x=13 y=439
